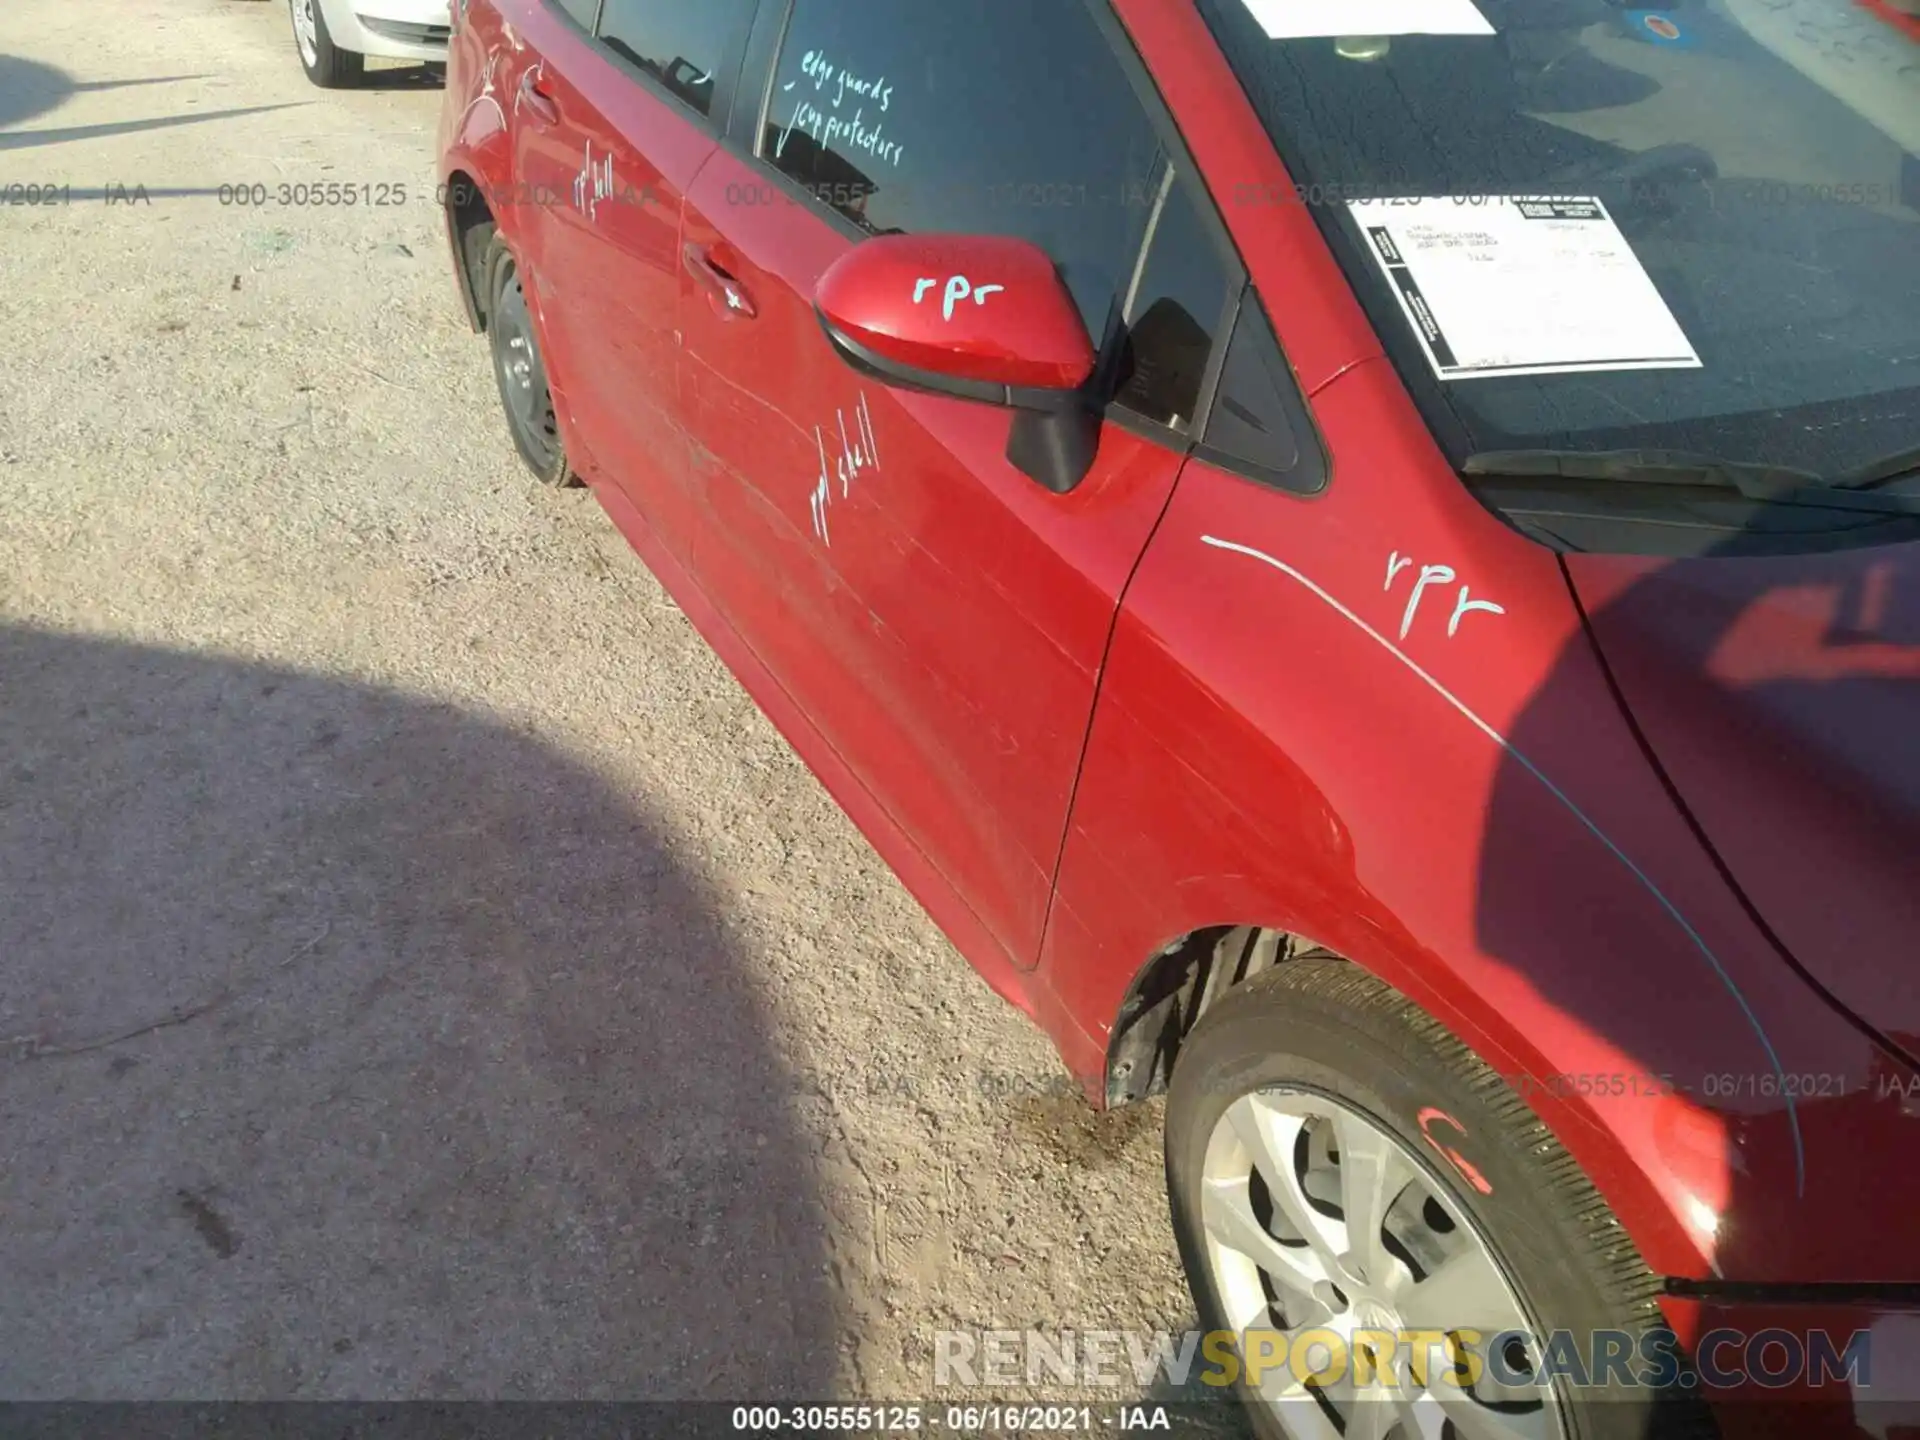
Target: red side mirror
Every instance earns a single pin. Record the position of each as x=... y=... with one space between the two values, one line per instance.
x=976 y=316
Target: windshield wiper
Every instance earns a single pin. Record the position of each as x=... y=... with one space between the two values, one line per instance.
x=1900 y=465
x=1767 y=484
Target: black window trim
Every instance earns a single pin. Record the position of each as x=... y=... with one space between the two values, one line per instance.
x=1185 y=172
x=1240 y=289
x=742 y=136
x=1311 y=474
x=1178 y=438
x=759 y=58
x=726 y=76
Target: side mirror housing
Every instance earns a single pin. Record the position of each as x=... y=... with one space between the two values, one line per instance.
x=972 y=317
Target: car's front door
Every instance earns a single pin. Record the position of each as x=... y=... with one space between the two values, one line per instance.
x=940 y=617
x=611 y=124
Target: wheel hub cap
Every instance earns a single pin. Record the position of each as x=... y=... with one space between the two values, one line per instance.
x=306 y=31
x=523 y=382
x=1322 y=1226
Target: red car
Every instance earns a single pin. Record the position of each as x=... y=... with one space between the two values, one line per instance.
x=1368 y=581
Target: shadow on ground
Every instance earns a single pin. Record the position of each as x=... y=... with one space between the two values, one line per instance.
x=405 y=77
x=28 y=88
x=359 y=1047
x=67 y=135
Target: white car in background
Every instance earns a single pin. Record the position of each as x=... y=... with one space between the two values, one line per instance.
x=334 y=37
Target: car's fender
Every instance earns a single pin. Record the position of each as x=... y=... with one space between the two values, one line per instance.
x=1454 y=799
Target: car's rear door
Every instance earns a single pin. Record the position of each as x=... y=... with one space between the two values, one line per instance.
x=611 y=122
x=939 y=616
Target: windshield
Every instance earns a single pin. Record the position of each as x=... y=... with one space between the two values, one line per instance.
x=1581 y=226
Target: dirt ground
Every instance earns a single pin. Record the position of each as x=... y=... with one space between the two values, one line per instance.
x=424 y=972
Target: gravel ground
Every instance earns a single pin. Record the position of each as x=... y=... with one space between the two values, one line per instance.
x=425 y=972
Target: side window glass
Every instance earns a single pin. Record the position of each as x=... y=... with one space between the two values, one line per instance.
x=994 y=117
x=681 y=45
x=581 y=11
x=1258 y=426
x=1173 y=307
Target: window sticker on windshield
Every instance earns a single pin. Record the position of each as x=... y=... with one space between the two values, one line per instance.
x=1518 y=285
x=1656 y=27
x=1320 y=19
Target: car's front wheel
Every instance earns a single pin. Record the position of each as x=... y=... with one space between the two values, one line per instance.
x=1343 y=1175
x=326 y=64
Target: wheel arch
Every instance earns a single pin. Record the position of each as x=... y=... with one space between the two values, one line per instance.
x=1175 y=987
x=1189 y=975
x=470 y=228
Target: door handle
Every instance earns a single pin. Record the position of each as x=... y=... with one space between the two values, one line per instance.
x=729 y=297
x=545 y=111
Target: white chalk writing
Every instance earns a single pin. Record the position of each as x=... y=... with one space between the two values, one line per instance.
x=834 y=85
x=959 y=287
x=593 y=184
x=823 y=72
x=858 y=452
x=1434 y=575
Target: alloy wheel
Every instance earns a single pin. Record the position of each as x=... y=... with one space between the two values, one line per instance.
x=306 y=31
x=1319 y=1222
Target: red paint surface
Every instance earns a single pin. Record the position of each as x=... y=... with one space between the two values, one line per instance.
x=892 y=296
x=1908 y=24
x=1080 y=726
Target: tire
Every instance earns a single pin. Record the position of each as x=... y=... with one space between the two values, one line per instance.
x=1364 y=1070
x=520 y=372
x=326 y=64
